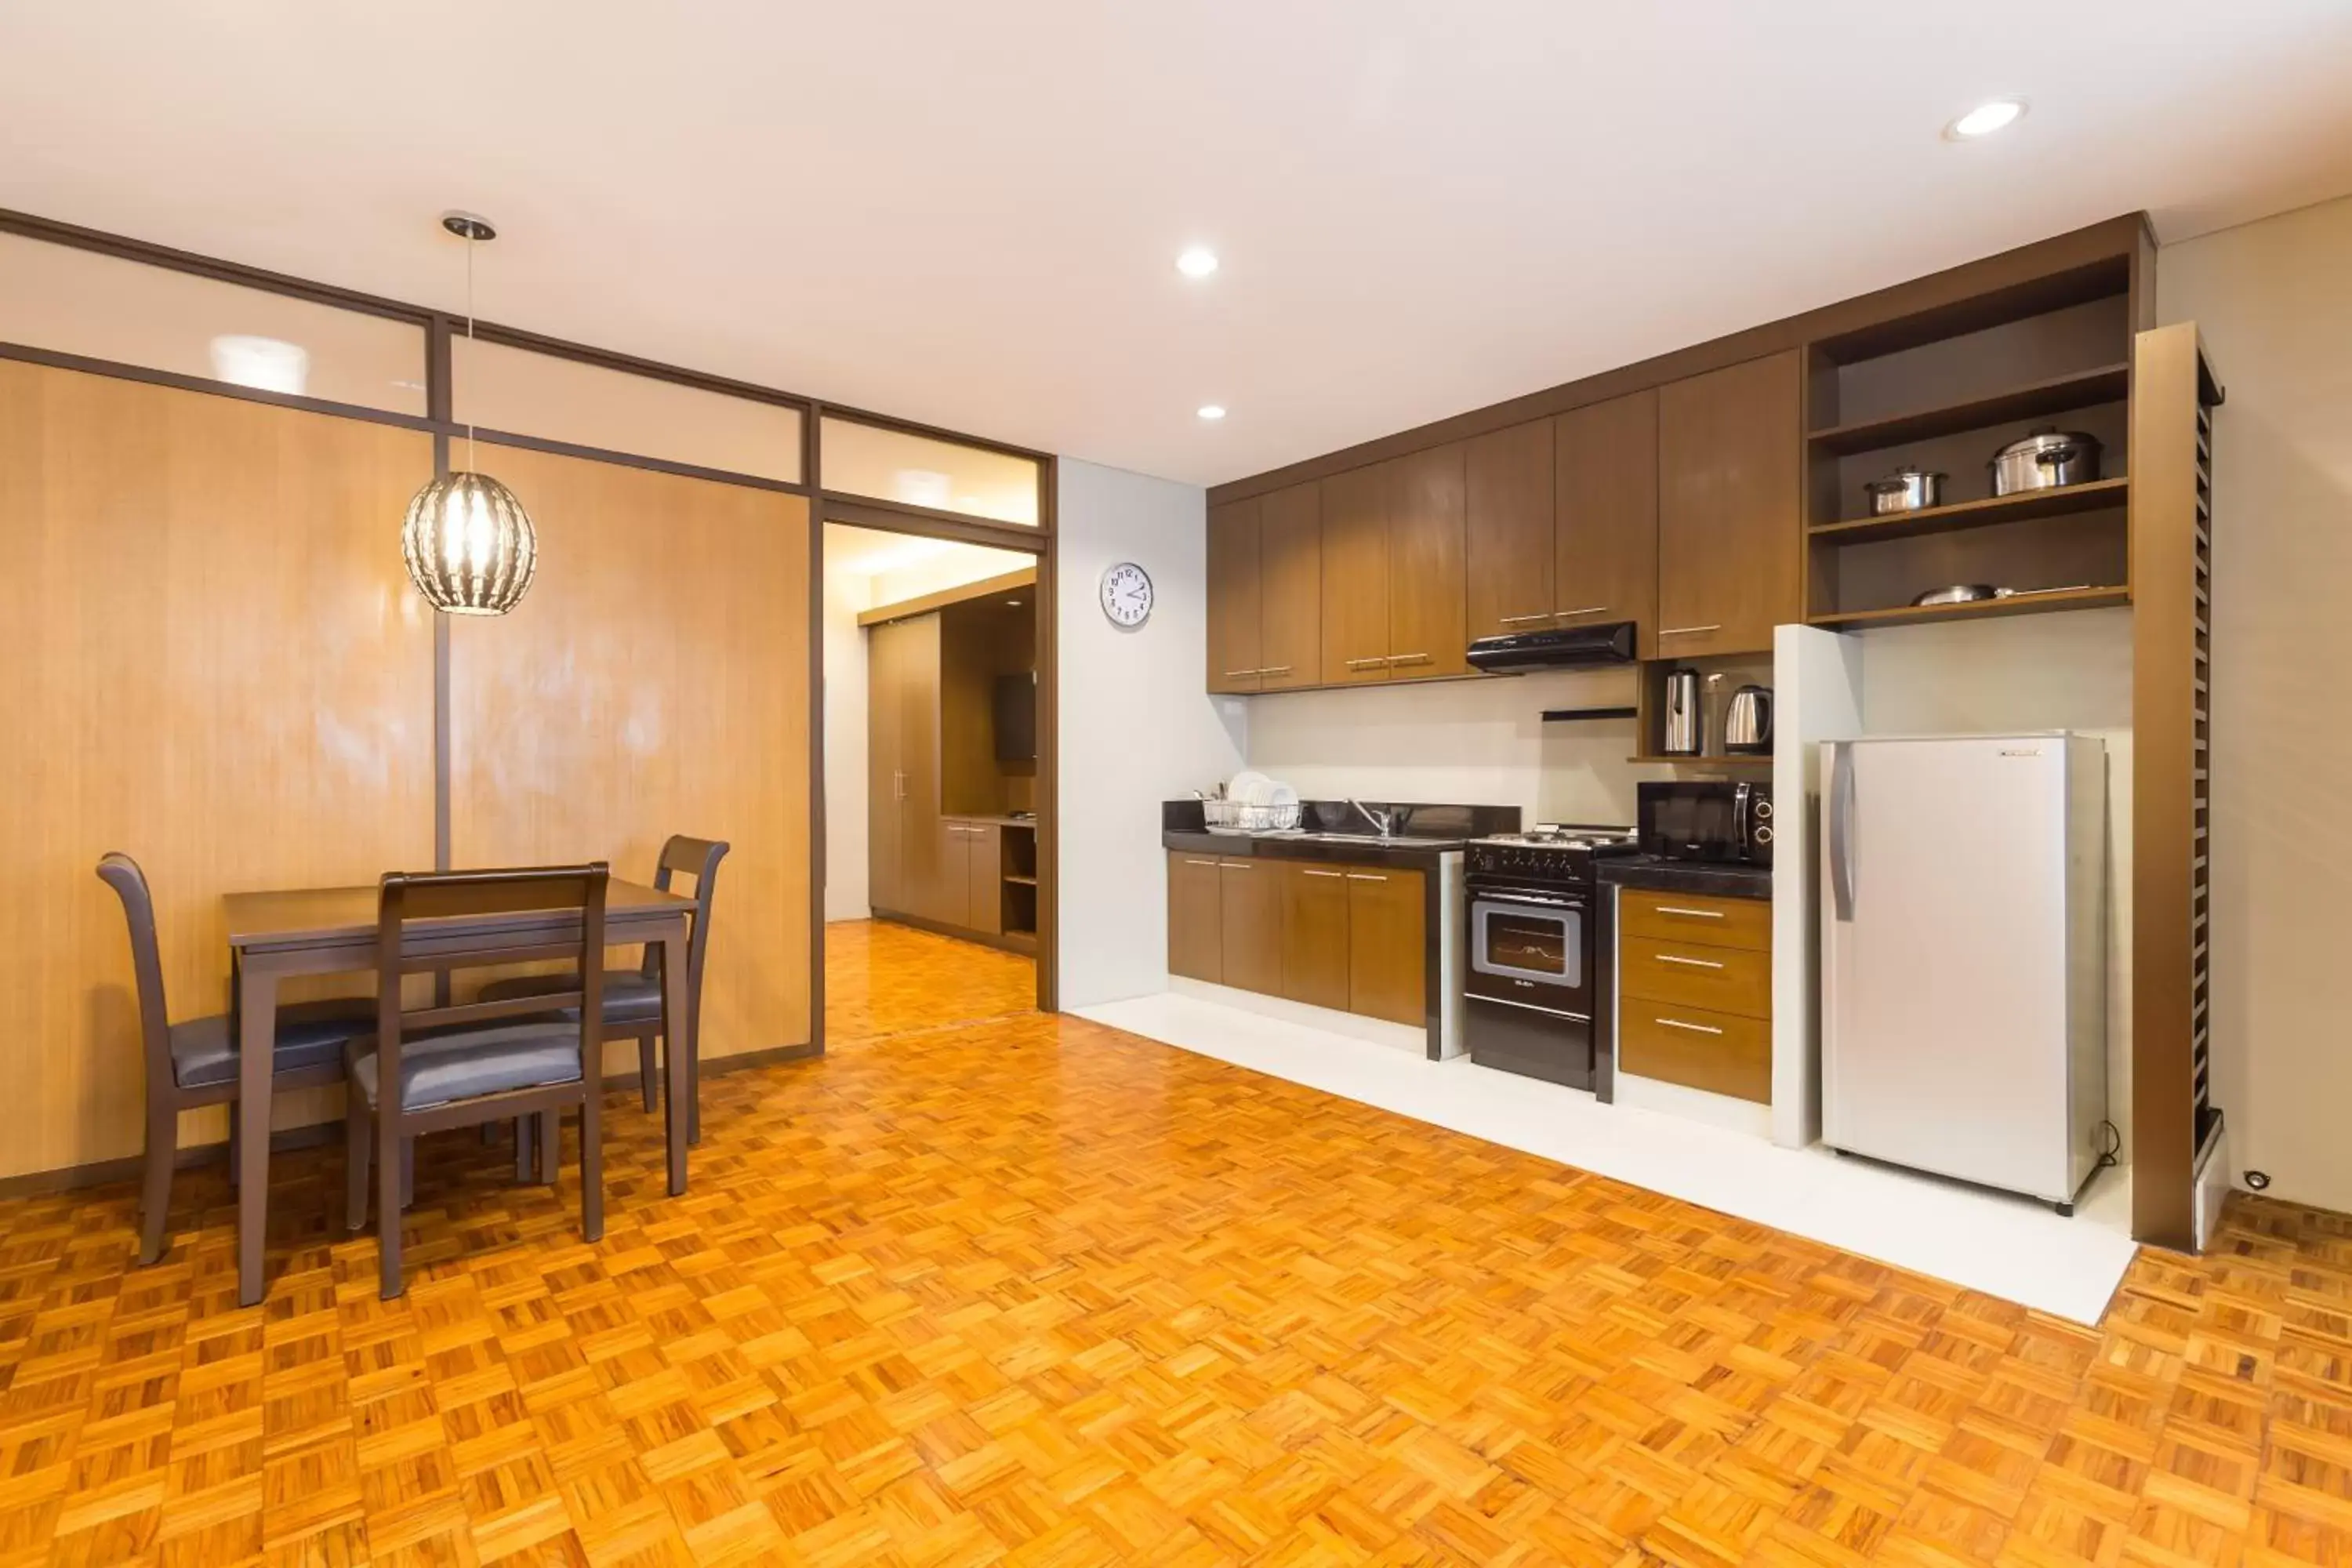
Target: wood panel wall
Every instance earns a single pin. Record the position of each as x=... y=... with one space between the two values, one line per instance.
x=217 y=664
x=654 y=681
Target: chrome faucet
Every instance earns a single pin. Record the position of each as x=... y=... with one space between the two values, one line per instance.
x=1383 y=820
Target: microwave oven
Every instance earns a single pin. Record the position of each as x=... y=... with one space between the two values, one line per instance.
x=1709 y=820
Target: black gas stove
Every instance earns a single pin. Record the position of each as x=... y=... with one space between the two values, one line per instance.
x=1527 y=989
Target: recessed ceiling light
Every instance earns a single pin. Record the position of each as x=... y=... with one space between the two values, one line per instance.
x=1197 y=262
x=1212 y=411
x=1984 y=119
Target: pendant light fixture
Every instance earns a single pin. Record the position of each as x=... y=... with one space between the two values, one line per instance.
x=469 y=545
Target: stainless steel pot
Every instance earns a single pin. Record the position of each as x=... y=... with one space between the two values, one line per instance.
x=1906 y=489
x=2045 y=460
x=1960 y=593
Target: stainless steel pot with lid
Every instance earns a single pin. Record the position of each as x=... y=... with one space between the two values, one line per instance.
x=2045 y=460
x=1908 y=488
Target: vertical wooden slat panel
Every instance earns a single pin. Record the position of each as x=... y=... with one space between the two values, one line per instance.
x=218 y=667
x=654 y=681
x=2167 y=783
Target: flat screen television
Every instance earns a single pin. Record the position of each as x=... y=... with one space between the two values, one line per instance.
x=1017 y=717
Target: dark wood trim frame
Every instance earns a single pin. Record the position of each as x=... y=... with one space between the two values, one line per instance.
x=26 y=354
x=811 y=456
x=1948 y=294
x=123 y=248
x=898 y=517
x=1049 y=799
x=908 y=427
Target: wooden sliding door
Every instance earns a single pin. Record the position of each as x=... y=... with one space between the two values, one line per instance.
x=217 y=664
x=654 y=681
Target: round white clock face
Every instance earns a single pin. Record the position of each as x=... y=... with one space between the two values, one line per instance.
x=1127 y=594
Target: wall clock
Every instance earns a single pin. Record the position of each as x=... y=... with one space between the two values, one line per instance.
x=1127 y=595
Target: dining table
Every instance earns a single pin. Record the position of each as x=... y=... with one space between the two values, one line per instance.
x=274 y=937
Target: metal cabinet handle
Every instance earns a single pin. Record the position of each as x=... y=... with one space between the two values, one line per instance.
x=1693 y=963
x=1408 y=659
x=1273 y=670
x=1694 y=1028
x=1232 y=866
x=1310 y=871
x=1587 y=610
x=1365 y=877
x=1688 y=631
x=1693 y=914
x=1189 y=861
x=1236 y=674
x=1363 y=663
x=1522 y=620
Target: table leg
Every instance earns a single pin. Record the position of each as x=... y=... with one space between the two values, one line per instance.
x=256 y=1013
x=677 y=1059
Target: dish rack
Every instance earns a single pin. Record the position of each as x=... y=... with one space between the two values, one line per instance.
x=1237 y=817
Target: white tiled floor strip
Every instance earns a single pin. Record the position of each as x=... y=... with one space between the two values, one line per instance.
x=2006 y=1247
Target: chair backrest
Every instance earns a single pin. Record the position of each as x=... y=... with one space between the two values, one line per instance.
x=122 y=873
x=410 y=939
x=699 y=859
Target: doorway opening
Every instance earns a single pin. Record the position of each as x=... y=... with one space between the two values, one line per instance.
x=932 y=710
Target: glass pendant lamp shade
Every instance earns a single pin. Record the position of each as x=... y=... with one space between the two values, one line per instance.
x=469 y=545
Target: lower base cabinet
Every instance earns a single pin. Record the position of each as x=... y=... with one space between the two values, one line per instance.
x=1195 y=927
x=1694 y=992
x=1349 y=938
x=1315 y=937
x=962 y=879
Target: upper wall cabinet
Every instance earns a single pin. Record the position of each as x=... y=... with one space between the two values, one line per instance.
x=1266 y=590
x=1511 y=530
x=1729 y=486
x=1394 y=559
x=1605 y=456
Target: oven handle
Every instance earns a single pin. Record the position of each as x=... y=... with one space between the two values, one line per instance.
x=1505 y=895
x=1529 y=1007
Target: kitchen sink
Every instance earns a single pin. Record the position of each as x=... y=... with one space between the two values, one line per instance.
x=1393 y=842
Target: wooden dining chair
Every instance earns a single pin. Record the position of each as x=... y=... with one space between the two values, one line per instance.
x=194 y=1061
x=633 y=997
x=436 y=1066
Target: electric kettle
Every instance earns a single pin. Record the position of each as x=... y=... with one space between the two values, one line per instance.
x=1747 y=722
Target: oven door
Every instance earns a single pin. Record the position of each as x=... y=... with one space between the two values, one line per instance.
x=1530 y=947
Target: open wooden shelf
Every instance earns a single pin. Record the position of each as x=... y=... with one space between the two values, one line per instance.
x=1976 y=609
x=2107 y=384
x=1714 y=759
x=2022 y=507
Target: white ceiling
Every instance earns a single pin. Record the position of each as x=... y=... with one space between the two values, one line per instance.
x=968 y=214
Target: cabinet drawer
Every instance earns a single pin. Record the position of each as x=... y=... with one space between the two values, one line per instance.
x=1695 y=917
x=1720 y=979
x=1719 y=1052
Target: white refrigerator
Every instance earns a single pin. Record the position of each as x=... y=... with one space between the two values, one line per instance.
x=1964 y=995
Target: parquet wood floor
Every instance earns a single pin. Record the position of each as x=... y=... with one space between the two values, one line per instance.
x=1028 y=1290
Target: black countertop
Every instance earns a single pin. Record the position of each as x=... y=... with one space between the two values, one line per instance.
x=1727 y=880
x=1402 y=853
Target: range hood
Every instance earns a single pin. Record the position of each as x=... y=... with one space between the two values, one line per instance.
x=1517 y=652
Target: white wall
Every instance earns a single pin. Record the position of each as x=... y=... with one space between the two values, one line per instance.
x=1136 y=728
x=2273 y=302
x=2066 y=671
x=1480 y=742
x=845 y=894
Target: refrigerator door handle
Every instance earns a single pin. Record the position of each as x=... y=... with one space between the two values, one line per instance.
x=1842 y=829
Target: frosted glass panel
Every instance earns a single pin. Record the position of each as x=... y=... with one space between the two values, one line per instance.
x=503 y=388
x=75 y=301
x=890 y=465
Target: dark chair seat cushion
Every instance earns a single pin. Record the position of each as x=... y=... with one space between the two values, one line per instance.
x=466 y=1064
x=629 y=996
x=309 y=1034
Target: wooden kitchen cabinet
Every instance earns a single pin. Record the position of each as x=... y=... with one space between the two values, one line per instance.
x=1385 y=945
x=1249 y=930
x=1314 y=936
x=1428 y=543
x=1195 y=938
x=905 y=851
x=1509 y=533
x=1730 y=446
x=1234 y=596
x=1605 y=517
x=1355 y=576
x=1290 y=588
